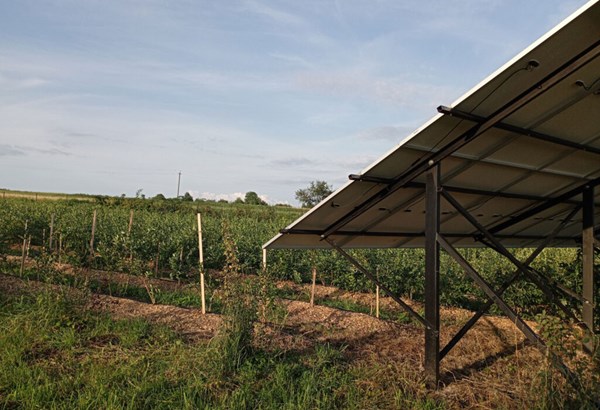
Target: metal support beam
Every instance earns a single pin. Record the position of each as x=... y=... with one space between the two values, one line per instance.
x=514 y=277
x=548 y=291
x=542 y=207
x=432 y=277
x=458 y=190
x=588 y=260
x=518 y=130
x=383 y=287
x=315 y=232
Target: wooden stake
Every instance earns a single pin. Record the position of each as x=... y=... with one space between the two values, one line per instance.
x=129 y=237
x=201 y=263
x=312 y=288
x=92 y=238
x=377 y=302
x=157 y=258
x=59 y=247
x=377 y=295
x=23 y=249
x=51 y=232
x=130 y=222
x=28 y=245
x=264 y=259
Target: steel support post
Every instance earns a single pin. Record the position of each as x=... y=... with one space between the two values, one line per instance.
x=588 y=260
x=432 y=277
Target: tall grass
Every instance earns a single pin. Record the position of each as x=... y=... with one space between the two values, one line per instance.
x=56 y=354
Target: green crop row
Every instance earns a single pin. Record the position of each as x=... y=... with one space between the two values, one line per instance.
x=163 y=240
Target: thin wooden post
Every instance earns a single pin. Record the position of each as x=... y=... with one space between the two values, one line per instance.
x=130 y=222
x=157 y=259
x=377 y=301
x=23 y=249
x=201 y=263
x=129 y=237
x=312 y=288
x=377 y=295
x=28 y=245
x=59 y=247
x=51 y=232
x=264 y=259
x=93 y=233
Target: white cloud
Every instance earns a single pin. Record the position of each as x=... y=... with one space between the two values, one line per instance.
x=380 y=89
x=280 y=17
x=385 y=133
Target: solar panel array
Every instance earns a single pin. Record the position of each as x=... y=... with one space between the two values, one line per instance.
x=532 y=133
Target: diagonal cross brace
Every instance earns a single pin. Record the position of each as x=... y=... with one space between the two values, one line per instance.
x=515 y=276
x=503 y=251
x=508 y=311
x=374 y=279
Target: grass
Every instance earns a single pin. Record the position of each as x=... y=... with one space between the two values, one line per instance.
x=187 y=297
x=56 y=354
x=10 y=193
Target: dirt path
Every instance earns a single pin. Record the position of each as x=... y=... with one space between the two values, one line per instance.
x=190 y=323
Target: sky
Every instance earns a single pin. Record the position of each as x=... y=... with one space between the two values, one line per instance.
x=113 y=96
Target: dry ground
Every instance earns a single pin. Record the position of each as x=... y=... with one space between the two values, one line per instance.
x=490 y=367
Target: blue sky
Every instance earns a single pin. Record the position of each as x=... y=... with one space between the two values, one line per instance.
x=108 y=97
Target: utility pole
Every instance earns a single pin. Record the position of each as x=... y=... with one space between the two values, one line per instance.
x=178 y=182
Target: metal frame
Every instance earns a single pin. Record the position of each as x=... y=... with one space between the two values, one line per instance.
x=588 y=241
x=432 y=277
x=518 y=130
x=491 y=238
x=429 y=166
x=436 y=240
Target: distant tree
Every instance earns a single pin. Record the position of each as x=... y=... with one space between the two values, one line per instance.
x=138 y=193
x=187 y=197
x=314 y=193
x=238 y=200
x=223 y=201
x=252 y=198
x=160 y=197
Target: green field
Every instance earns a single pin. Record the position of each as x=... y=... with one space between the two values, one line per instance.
x=163 y=241
x=60 y=354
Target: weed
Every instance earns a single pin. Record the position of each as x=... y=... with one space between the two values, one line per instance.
x=563 y=341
